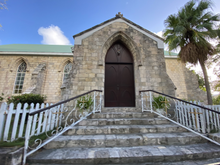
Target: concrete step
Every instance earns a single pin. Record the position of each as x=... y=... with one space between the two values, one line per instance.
x=121 y=109
x=123 y=121
x=117 y=115
x=124 y=129
x=214 y=161
x=125 y=140
x=126 y=155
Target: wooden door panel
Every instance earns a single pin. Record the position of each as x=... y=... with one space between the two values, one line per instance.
x=126 y=97
x=111 y=74
x=111 y=84
x=126 y=75
x=119 y=77
x=111 y=97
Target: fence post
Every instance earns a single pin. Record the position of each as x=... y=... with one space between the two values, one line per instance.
x=15 y=124
x=27 y=137
x=2 y=118
x=22 y=123
x=8 y=121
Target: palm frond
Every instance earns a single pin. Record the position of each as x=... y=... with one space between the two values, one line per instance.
x=190 y=29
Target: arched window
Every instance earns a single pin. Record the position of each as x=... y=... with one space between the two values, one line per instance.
x=66 y=71
x=19 y=81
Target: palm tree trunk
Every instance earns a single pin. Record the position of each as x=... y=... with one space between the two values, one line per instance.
x=209 y=96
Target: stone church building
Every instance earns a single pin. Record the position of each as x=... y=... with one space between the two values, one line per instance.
x=117 y=56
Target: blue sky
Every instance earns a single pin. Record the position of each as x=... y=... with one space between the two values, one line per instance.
x=56 y=21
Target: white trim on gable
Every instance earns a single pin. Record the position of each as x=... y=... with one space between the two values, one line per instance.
x=78 y=39
x=171 y=57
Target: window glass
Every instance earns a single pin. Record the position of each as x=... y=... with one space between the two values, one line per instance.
x=19 y=81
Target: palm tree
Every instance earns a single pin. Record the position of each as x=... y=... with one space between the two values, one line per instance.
x=190 y=29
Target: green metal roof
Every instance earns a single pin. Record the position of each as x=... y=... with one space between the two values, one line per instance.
x=48 y=48
x=167 y=53
x=36 y=48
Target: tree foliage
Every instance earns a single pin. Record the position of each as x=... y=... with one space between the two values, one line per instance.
x=3 y=6
x=216 y=101
x=201 y=82
x=190 y=29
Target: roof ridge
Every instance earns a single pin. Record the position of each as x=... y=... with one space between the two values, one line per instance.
x=114 y=18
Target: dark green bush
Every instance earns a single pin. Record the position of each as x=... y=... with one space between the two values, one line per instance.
x=84 y=103
x=160 y=102
x=26 y=98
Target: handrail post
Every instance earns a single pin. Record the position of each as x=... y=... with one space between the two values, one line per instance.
x=64 y=115
x=151 y=107
x=100 y=100
x=142 y=101
x=27 y=137
x=94 y=101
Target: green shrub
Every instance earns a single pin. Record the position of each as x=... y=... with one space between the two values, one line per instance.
x=160 y=102
x=84 y=103
x=1 y=97
x=216 y=101
x=26 y=98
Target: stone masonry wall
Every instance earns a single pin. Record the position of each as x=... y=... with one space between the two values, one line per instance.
x=89 y=58
x=185 y=81
x=192 y=86
x=53 y=74
x=37 y=79
x=175 y=70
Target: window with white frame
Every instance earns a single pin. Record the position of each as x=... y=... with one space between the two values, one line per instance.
x=19 y=81
x=67 y=70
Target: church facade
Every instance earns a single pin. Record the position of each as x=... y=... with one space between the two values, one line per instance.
x=117 y=56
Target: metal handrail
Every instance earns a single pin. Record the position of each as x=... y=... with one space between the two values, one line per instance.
x=61 y=102
x=58 y=120
x=180 y=100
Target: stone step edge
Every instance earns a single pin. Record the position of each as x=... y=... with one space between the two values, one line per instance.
x=93 y=141
x=127 y=126
x=123 y=115
x=151 y=135
x=123 y=121
x=214 y=161
x=125 y=155
x=124 y=129
x=148 y=118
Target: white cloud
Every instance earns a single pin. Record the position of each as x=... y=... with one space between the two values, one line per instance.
x=160 y=34
x=52 y=35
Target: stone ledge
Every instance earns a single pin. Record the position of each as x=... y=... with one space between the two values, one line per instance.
x=126 y=155
x=124 y=129
x=11 y=155
x=125 y=140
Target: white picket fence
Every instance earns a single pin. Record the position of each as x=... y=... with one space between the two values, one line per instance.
x=198 y=119
x=13 y=121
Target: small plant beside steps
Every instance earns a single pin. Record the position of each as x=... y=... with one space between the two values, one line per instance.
x=84 y=104
x=160 y=104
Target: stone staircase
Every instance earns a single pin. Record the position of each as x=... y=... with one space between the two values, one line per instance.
x=119 y=136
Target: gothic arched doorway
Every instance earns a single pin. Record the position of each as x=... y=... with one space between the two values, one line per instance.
x=119 y=77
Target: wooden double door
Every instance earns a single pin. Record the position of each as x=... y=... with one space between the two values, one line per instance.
x=119 y=77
